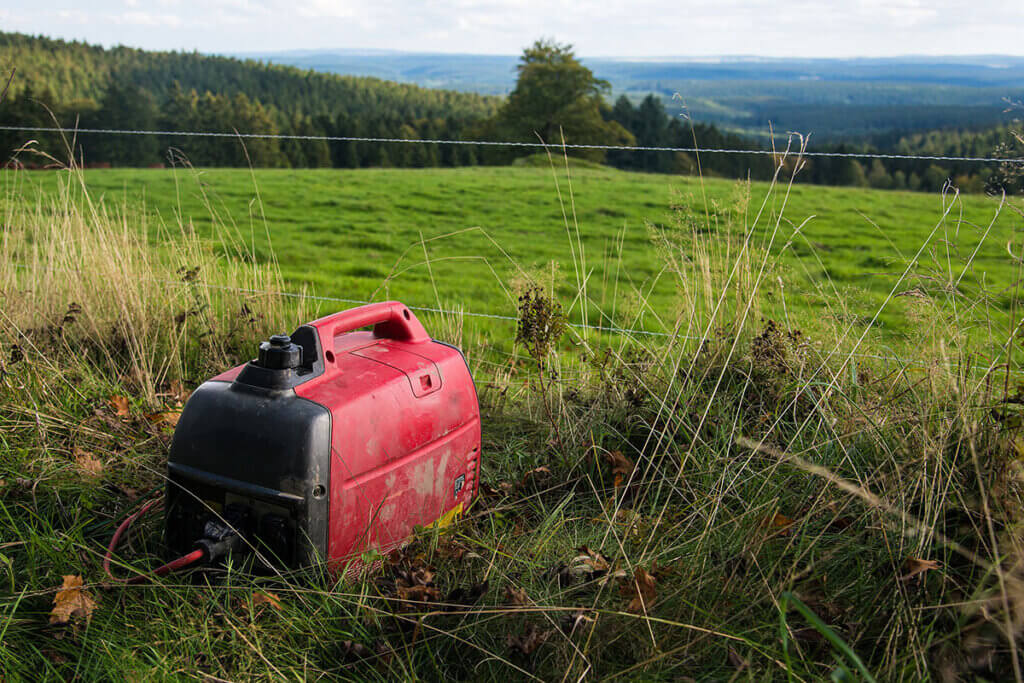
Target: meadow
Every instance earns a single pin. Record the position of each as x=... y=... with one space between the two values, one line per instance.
x=763 y=494
x=461 y=238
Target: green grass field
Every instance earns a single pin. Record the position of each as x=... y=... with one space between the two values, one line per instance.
x=751 y=507
x=462 y=236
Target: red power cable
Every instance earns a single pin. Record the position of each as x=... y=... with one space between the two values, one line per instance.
x=173 y=565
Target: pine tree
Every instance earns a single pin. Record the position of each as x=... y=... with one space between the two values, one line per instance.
x=125 y=106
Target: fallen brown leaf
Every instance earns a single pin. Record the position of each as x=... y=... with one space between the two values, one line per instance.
x=535 y=476
x=640 y=591
x=169 y=417
x=529 y=641
x=261 y=599
x=423 y=576
x=914 y=566
x=71 y=602
x=400 y=556
x=780 y=523
x=488 y=491
x=419 y=593
x=129 y=493
x=614 y=575
x=588 y=562
x=88 y=463
x=417 y=575
x=119 y=404
x=178 y=392
x=586 y=566
x=622 y=467
x=516 y=597
x=449 y=548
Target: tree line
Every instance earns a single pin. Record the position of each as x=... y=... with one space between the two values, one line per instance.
x=556 y=98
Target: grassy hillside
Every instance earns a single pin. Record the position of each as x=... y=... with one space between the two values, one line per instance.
x=746 y=503
x=458 y=237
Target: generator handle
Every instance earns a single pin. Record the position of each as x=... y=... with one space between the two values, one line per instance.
x=390 y=320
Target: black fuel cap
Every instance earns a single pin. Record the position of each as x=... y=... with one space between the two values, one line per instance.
x=279 y=353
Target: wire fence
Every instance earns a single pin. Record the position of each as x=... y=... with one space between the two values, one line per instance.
x=511 y=143
x=609 y=329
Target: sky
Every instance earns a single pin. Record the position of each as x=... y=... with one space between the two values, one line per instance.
x=637 y=28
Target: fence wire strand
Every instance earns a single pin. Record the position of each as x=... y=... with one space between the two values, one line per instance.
x=510 y=143
x=626 y=331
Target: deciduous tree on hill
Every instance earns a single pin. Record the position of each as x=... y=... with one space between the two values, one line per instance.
x=555 y=97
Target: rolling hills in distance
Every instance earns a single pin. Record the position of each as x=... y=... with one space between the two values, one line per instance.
x=912 y=106
x=834 y=99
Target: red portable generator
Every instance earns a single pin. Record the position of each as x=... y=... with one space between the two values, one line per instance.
x=333 y=442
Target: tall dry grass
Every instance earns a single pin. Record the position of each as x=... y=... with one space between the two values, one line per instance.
x=126 y=294
x=793 y=462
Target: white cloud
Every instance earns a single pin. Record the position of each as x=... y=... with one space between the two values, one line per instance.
x=326 y=9
x=72 y=15
x=148 y=19
x=595 y=27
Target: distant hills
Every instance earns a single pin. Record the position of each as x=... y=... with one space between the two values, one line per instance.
x=834 y=99
x=934 y=107
x=496 y=74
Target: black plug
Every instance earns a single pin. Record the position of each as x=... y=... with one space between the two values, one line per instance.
x=219 y=540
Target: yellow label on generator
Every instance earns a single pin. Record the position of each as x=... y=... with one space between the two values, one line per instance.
x=448 y=517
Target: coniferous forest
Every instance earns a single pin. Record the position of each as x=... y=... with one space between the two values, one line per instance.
x=83 y=86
